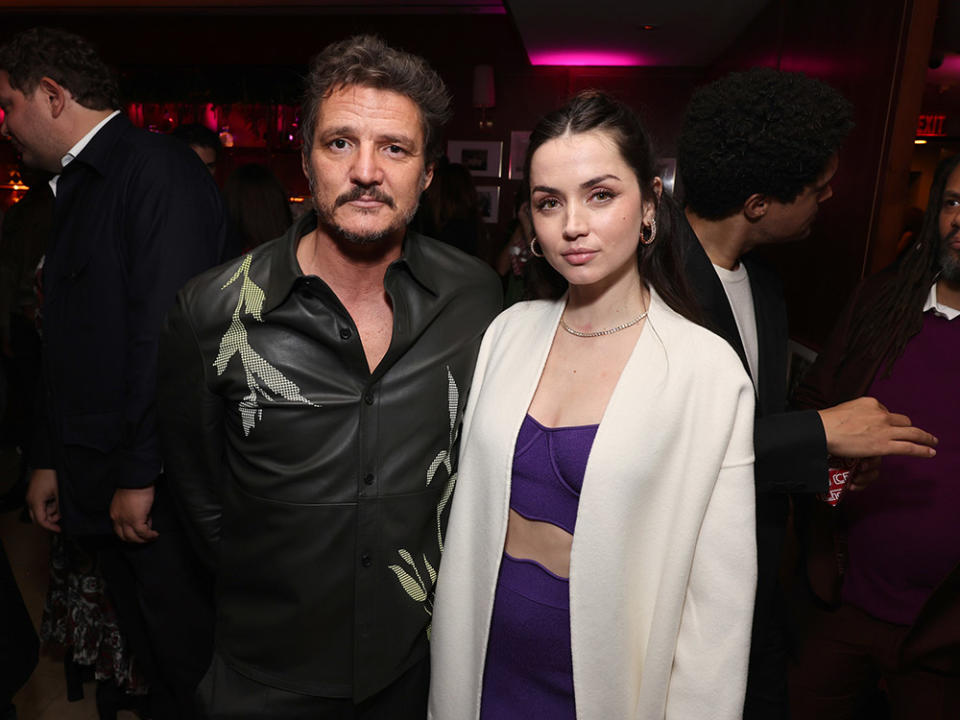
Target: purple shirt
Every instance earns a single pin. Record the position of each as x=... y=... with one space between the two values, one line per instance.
x=904 y=530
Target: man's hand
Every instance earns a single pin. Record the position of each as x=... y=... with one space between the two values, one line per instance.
x=130 y=512
x=43 y=499
x=864 y=428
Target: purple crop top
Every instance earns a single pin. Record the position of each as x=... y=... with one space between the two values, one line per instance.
x=548 y=468
x=529 y=670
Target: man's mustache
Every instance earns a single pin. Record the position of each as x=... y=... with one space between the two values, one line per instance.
x=359 y=192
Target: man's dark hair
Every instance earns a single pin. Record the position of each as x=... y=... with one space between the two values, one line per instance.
x=759 y=131
x=64 y=57
x=895 y=315
x=661 y=262
x=199 y=135
x=368 y=61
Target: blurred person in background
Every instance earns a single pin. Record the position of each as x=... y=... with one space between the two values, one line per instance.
x=203 y=141
x=258 y=208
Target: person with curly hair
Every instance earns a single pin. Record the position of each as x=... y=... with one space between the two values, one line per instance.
x=756 y=154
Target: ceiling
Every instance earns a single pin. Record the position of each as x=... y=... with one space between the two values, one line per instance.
x=684 y=33
x=613 y=32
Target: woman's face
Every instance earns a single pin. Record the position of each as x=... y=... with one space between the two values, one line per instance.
x=587 y=208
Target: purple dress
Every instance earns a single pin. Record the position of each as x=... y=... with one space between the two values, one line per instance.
x=528 y=670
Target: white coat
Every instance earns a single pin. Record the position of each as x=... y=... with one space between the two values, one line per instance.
x=663 y=561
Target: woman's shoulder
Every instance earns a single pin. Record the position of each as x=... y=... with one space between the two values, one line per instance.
x=524 y=315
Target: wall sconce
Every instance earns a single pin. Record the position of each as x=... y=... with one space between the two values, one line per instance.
x=484 y=95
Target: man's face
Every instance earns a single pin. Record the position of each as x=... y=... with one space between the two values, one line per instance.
x=785 y=222
x=950 y=229
x=26 y=121
x=208 y=155
x=366 y=167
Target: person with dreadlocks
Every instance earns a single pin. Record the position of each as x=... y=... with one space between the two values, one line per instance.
x=895 y=597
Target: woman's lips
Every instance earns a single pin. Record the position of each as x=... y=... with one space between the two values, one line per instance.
x=578 y=256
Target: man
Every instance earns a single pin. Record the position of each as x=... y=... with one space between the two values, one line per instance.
x=135 y=215
x=203 y=141
x=311 y=395
x=896 y=615
x=756 y=154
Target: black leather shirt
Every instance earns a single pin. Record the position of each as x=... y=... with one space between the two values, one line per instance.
x=315 y=488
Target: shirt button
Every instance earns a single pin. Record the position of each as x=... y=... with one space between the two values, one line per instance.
x=368 y=397
x=368 y=479
x=366 y=560
x=345 y=333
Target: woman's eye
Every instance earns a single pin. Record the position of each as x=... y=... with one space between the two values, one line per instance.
x=547 y=204
x=603 y=195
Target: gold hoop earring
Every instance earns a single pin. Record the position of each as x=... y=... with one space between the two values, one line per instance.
x=533 y=247
x=645 y=238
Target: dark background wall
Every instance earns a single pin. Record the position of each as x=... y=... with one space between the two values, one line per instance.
x=873 y=52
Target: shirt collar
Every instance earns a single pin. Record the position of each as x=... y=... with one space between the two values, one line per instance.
x=79 y=146
x=285 y=269
x=938 y=308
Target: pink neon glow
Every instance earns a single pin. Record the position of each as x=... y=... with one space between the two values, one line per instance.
x=586 y=57
x=948 y=71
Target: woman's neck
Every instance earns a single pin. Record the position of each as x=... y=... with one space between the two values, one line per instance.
x=590 y=308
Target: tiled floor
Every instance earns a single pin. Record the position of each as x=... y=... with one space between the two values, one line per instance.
x=44 y=697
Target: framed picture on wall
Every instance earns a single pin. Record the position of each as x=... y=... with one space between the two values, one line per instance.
x=481 y=158
x=519 y=140
x=489 y=196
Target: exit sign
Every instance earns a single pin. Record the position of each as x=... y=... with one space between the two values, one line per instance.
x=931 y=125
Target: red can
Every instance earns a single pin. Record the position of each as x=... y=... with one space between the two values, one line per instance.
x=838 y=483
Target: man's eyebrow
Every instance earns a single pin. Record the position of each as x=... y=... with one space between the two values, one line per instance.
x=398 y=139
x=340 y=130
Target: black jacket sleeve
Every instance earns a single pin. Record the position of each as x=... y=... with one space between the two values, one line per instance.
x=191 y=432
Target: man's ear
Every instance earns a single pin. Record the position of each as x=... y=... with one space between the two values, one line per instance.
x=55 y=95
x=756 y=206
x=428 y=175
x=305 y=167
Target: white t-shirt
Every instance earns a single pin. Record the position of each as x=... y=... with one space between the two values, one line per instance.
x=736 y=284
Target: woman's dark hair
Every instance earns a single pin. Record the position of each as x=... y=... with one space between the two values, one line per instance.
x=661 y=262
x=896 y=314
x=257 y=206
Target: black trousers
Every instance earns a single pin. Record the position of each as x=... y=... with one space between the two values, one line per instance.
x=164 y=603
x=225 y=694
x=18 y=639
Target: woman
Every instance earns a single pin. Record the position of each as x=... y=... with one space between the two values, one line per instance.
x=613 y=575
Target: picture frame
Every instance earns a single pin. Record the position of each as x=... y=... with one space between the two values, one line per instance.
x=519 y=141
x=489 y=196
x=481 y=158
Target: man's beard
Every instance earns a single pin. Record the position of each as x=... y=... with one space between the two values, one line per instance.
x=949 y=260
x=326 y=213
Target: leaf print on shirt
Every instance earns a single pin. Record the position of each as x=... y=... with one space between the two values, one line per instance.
x=263 y=379
x=409 y=575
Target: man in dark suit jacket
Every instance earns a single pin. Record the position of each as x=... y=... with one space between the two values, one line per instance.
x=135 y=216
x=756 y=154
